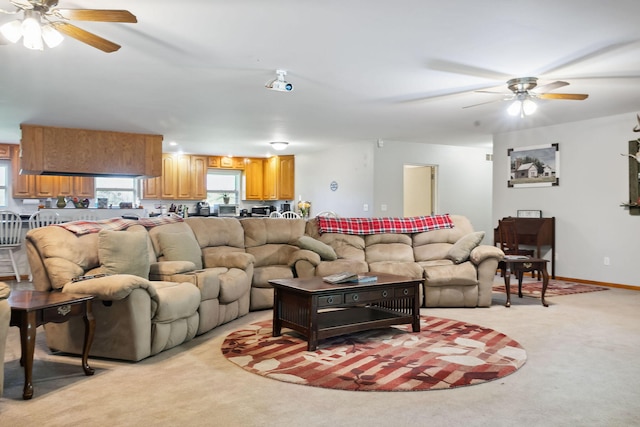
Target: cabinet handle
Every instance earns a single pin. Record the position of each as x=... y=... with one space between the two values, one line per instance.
x=385 y=294
x=355 y=297
x=63 y=310
x=330 y=300
x=405 y=291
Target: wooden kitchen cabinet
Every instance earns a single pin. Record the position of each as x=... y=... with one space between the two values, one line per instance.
x=270 y=179
x=47 y=186
x=286 y=178
x=184 y=177
x=254 y=170
x=225 y=162
x=5 y=151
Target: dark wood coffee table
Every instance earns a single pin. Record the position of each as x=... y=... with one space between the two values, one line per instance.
x=30 y=309
x=519 y=266
x=319 y=310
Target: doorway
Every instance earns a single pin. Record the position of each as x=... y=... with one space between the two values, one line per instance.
x=419 y=188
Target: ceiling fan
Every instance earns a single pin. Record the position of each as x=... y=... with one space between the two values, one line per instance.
x=523 y=94
x=42 y=20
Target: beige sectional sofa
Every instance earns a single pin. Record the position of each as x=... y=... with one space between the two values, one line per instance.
x=180 y=279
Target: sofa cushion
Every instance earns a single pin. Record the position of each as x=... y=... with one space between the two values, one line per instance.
x=181 y=247
x=461 y=249
x=325 y=251
x=464 y=274
x=122 y=252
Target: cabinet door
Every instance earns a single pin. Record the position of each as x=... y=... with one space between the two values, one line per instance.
x=270 y=189
x=214 y=161
x=253 y=179
x=169 y=180
x=152 y=188
x=198 y=177
x=47 y=186
x=183 y=177
x=65 y=186
x=84 y=187
x=286 y=177
x=238 y=162
x=22 y=186
x=5 y=151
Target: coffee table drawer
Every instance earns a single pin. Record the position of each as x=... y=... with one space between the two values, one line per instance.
x=329 y=300
x=61 y=313
x=368 y=296
x=404 y=292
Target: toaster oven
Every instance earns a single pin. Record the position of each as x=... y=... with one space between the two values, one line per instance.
x=226 y=210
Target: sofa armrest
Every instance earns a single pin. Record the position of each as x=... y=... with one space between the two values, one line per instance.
x=241 y=260
x=482 y=252
x=111 y=288
x=167 y=268
x=304 y=255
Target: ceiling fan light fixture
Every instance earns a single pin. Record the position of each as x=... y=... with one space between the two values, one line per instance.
x=514 y=108
x=279 y=145
x=51 y=36
x=31 y=30
x=522 y=107
x=12 y=31
x=529 y=107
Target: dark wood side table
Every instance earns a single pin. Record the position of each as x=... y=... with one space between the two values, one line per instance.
x=30 y=309
x=519 y=266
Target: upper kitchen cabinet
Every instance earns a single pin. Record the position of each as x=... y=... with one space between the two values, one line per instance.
x=184 y=177
x=270 y=179
x=226 y=162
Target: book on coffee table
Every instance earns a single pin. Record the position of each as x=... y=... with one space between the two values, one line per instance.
x=348 y=277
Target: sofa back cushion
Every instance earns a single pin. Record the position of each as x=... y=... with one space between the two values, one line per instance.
x=212 y=231
x=124 y=252
x=61 y=254
x=181 y=246
x=388 y=247
x=436 y=244
x=272 y=240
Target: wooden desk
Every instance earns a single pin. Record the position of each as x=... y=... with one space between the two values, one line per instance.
x=30 y=309
x=519 y=267
x=536 y=232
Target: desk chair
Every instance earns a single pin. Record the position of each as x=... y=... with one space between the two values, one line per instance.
x=509 y=239
x=10 y=238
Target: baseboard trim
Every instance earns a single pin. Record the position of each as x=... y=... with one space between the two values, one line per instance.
x=593 y=282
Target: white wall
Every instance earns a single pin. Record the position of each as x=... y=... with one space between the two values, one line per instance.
x=590 y=224
x=370 y=175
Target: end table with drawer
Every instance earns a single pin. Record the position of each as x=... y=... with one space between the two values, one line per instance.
x=30 y=309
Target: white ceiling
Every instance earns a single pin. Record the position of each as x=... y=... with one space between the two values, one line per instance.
x=194 y=70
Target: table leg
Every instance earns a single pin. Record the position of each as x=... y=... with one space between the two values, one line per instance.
x=545 y=282
x=416 y=309
x=312 y=326
x=27 y=344
x=277 y=321
x=89 y=330
x=506 y=272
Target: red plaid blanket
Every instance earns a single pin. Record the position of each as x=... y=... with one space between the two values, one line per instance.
x=364 y=226
x=86 y=227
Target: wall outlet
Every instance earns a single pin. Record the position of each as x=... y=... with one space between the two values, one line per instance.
x=383 y=208
x=365 y=207
x=607 y=261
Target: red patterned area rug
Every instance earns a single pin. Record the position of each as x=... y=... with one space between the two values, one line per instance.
x=445 y=354
x=555 y=288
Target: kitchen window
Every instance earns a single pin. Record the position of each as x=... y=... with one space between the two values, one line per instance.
x=117 y=190
x=221 y=183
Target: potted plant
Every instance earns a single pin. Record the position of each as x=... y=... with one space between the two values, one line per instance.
x=225 y=198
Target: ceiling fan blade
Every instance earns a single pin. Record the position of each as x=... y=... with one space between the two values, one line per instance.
x=492 y=91
x=469 y=70
x=551 y=86
x=86 y=37
x=571 y=96
x=96 y=15
x=22 y=4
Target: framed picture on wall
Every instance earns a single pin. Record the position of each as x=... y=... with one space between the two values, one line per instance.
x=534 y=166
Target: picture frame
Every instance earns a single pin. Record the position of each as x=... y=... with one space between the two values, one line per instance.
x=534 y=166
x=529 y=213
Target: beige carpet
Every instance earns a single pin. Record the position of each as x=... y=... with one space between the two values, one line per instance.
x=581 y=370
